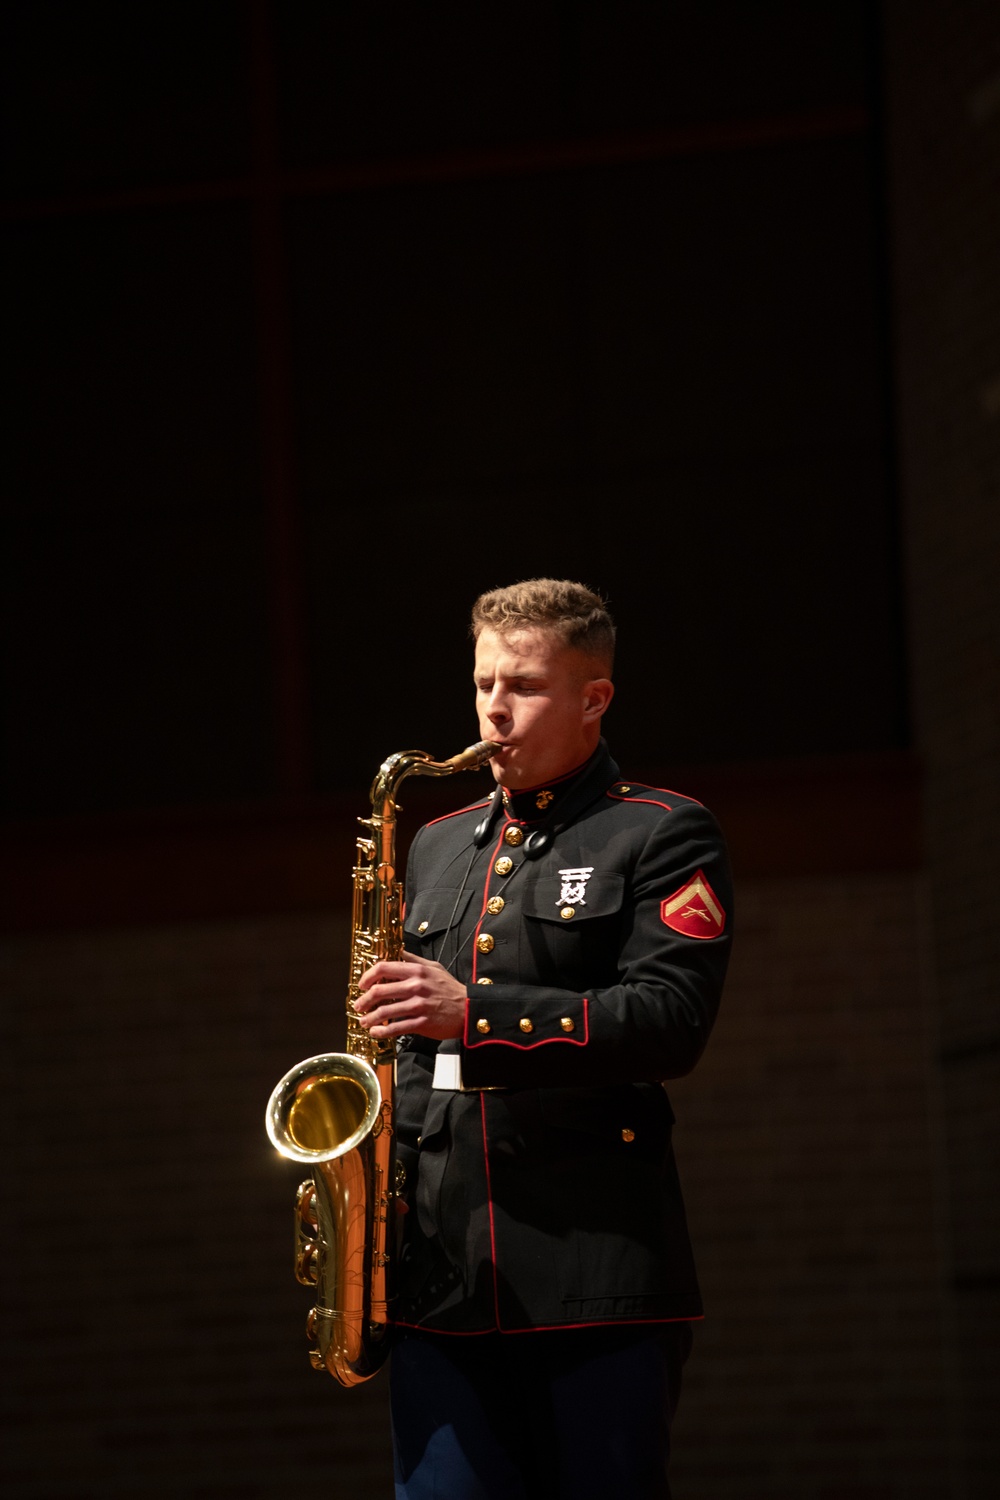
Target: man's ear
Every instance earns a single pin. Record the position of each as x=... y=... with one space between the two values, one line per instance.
x=597 y=696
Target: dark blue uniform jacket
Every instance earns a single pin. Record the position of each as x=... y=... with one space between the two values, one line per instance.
x=544 y=1193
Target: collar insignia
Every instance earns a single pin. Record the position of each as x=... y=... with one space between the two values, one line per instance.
x=543 y=799
x=574 y=883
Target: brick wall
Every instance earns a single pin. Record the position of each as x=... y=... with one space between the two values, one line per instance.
x=156 y=1331
x=944 y=158
x=808 y=1143
x=156 y=1337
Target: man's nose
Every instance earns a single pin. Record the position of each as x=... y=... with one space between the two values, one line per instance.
x=497 y=708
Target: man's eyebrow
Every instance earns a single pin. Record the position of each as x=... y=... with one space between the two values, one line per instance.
x=480 y=679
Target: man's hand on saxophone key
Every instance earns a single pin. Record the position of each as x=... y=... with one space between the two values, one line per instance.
x=413 y=995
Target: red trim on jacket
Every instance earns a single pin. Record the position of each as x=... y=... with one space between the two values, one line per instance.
x=489 y=1204
x=477 y=1333
x=671 y=793
x=493 y=1041
x=486 y=897
x=541 y=1327
x=652 y=800
x=473 y=807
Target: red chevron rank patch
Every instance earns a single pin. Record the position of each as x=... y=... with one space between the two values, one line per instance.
x=694 y=910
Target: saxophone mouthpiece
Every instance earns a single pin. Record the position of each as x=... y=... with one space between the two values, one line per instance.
x=474 y=755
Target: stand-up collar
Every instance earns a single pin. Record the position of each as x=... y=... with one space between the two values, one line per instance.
x=554 y=799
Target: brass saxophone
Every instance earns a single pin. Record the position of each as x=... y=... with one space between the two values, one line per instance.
x=334 y=1112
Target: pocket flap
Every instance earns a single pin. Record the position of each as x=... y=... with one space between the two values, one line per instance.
x=602 y=897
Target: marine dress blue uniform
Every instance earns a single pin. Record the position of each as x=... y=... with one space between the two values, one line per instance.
x=547 y=1284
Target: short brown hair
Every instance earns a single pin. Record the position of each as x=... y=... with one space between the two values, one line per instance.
x=570 y=610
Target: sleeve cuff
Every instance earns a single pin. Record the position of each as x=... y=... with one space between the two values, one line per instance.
x=491 y=1022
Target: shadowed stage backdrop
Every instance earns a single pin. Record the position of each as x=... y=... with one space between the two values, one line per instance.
x=323 y=320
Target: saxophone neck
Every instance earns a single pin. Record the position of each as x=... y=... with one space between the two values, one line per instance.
x=418 y=763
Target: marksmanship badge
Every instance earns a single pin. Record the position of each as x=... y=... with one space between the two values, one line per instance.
x=574 y=883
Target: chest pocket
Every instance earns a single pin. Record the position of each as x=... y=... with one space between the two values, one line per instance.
x=428 y=916
x=582 y=946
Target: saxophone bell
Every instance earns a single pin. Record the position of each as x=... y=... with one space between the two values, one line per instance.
x=334 y=1113
x=330 y=1113
x=323 y=1107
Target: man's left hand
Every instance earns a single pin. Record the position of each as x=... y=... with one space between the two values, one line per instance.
x=413 y=995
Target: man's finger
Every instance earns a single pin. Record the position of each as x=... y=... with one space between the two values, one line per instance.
x=384 y=972
x=399 y=1028
x=379 y=996
x=383 y=1012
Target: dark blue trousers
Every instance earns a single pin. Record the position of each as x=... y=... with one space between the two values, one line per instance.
x=582 y=1414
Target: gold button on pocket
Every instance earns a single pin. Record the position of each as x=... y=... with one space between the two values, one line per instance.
x=423 y=927
x=525 y=1024
x=484 y=980
x=567 y=912
x=513 y=836
x=567 y=1023
x=483 y=1025
x=504 y=865
x=628 y=1135
x=494 y=905
x=484 y=942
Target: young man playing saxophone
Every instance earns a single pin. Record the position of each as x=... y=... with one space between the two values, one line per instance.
x=567 y=938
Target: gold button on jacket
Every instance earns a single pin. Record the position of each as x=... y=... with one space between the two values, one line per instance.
x=483 y=1025
x=567 y=1023
x=494 y=905
x=504 y=865
x=483 y=980
x=567 y=912
x=525 y=1024
x=513 y=836
x=484 y=942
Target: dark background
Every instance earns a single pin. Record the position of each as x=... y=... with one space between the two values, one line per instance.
x=323 y=318
x=331 y=317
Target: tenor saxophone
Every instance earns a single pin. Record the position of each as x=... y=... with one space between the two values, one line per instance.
x=334 y=1112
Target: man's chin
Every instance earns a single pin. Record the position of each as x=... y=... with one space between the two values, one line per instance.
x=515 y=777
x=504 y=766
x=497 y=764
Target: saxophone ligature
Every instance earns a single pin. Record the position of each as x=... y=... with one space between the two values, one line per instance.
x=334 y=1112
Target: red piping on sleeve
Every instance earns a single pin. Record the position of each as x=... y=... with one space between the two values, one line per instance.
x=487 y=1041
